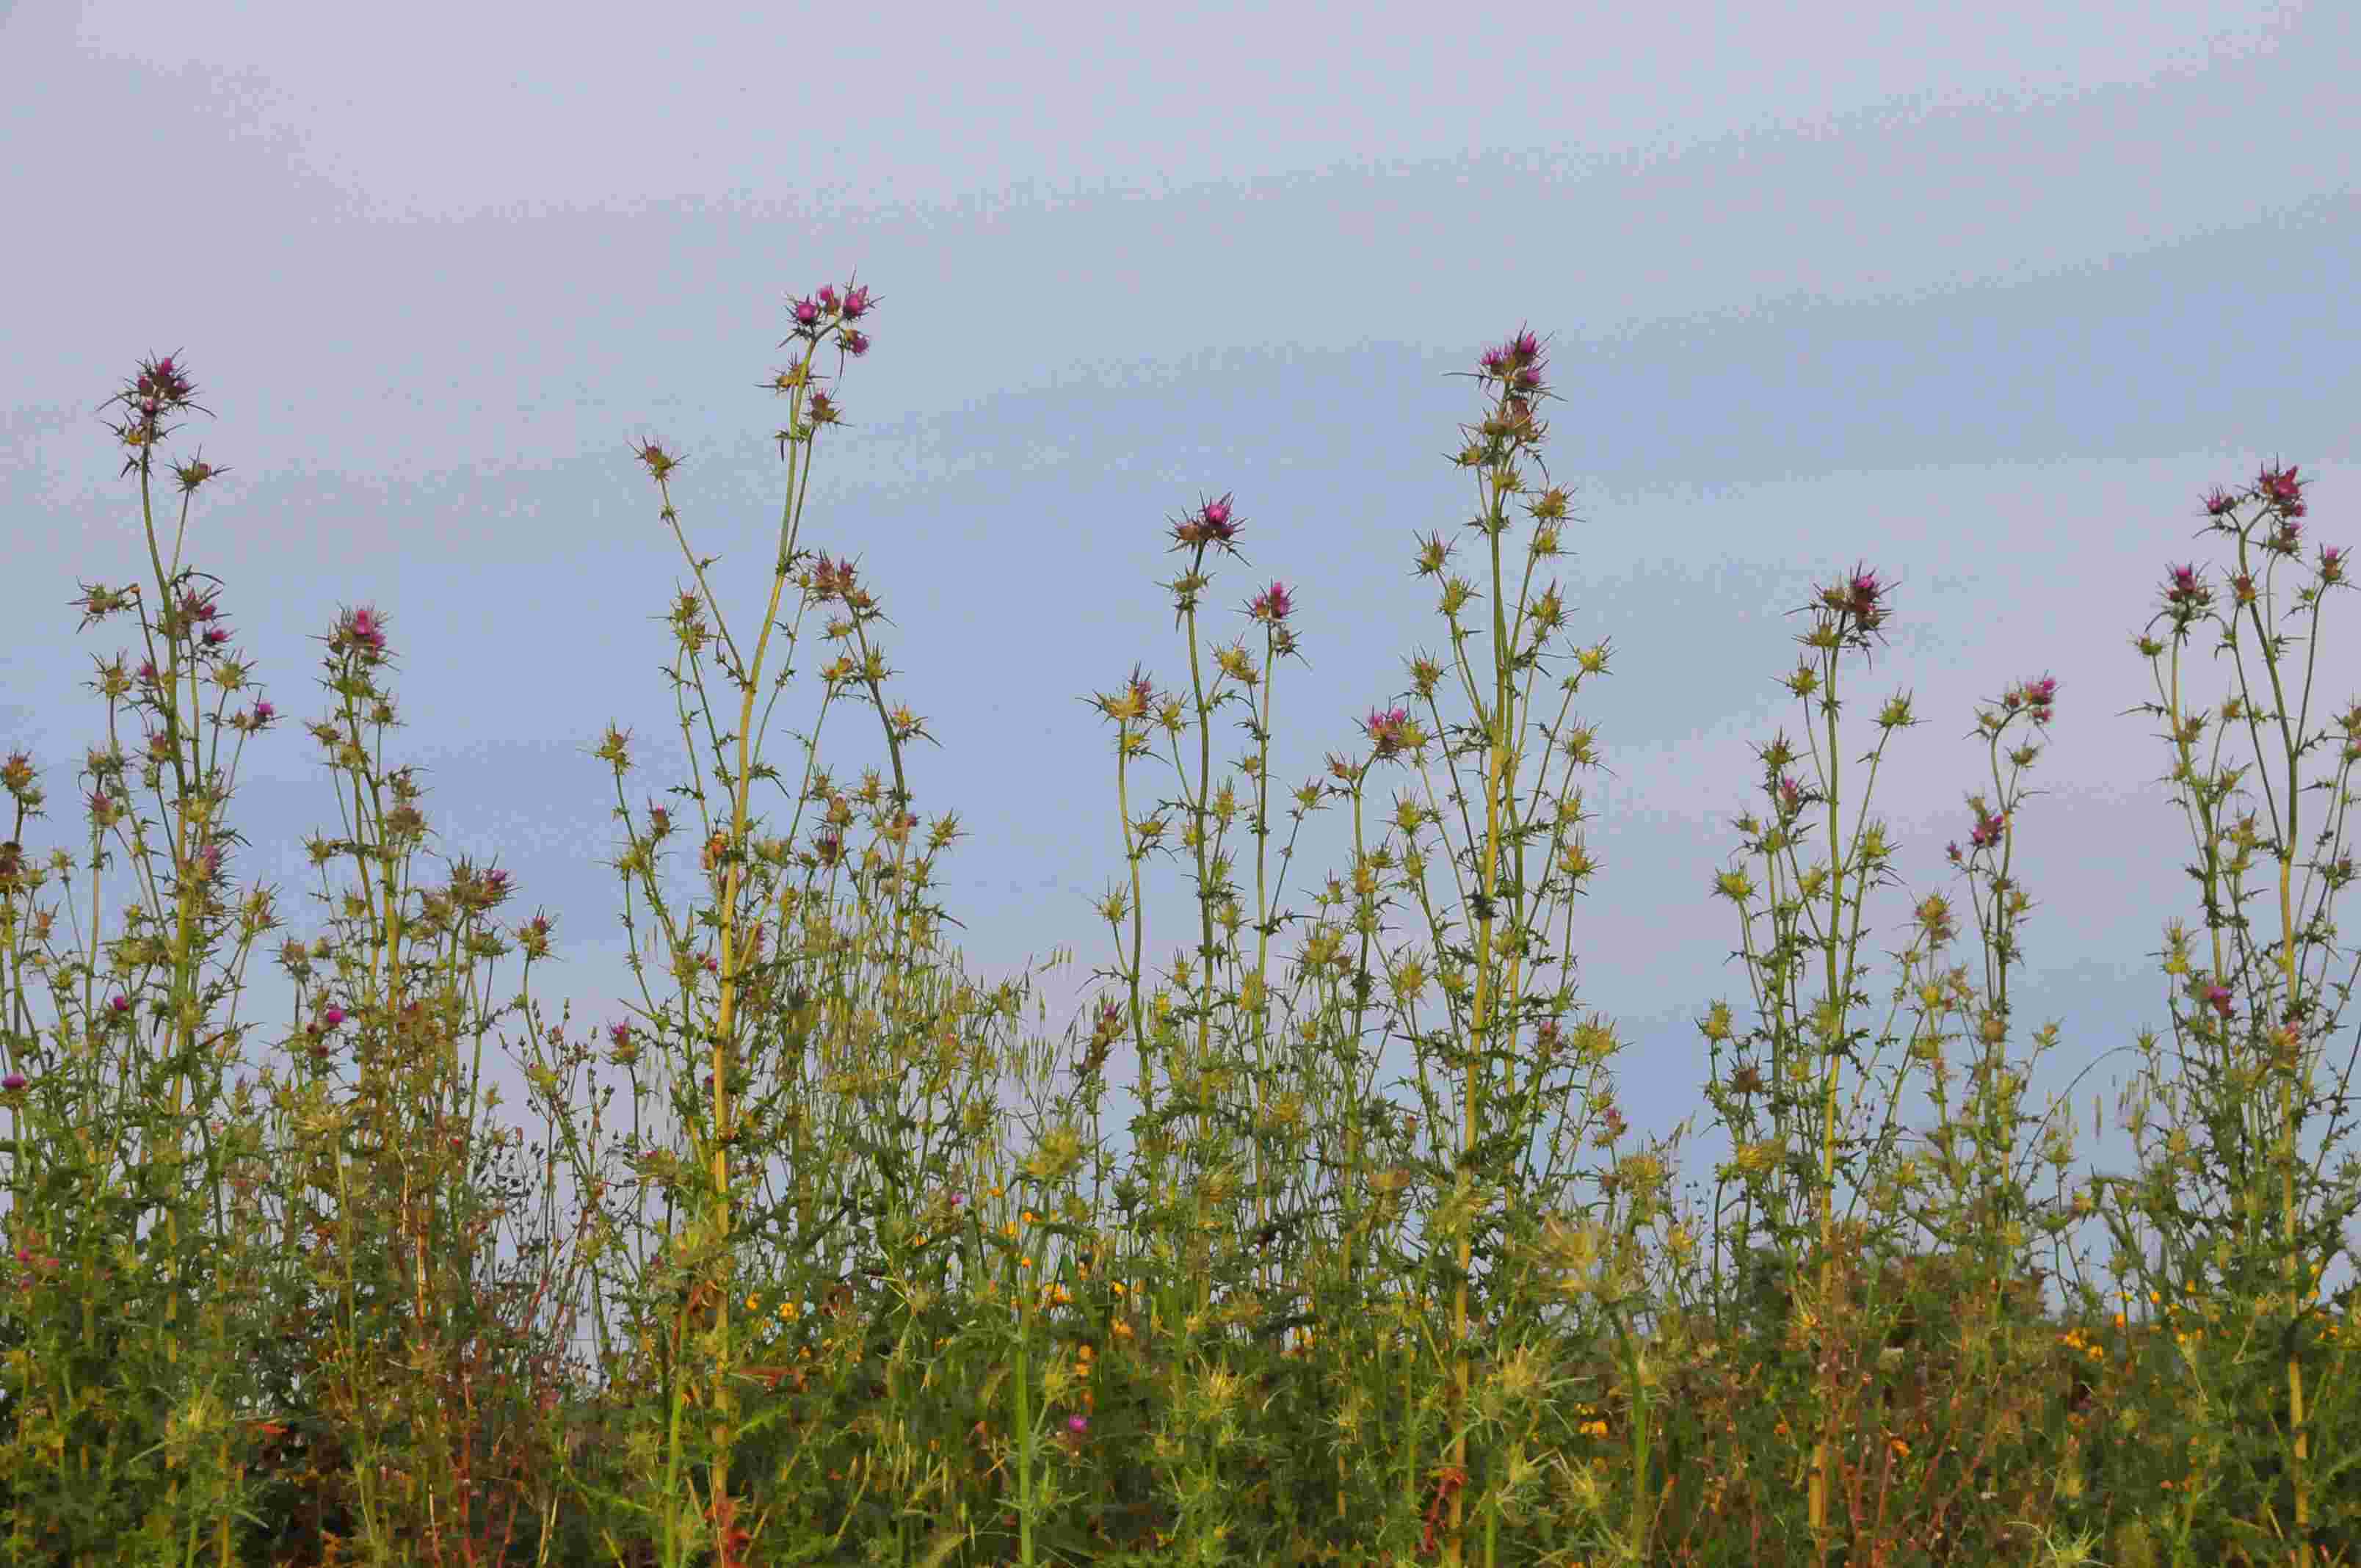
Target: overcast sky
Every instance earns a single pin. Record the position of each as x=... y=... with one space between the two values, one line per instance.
x=1984 y=297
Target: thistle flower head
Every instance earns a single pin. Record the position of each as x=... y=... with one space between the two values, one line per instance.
x=2185 y=590
x=2037 y=697
x=1273 y=604
x=1212 y=523
x=1859 y=598
x=1518 y=362
x=2281 y=490
x=361 y=631
x=1391 y=729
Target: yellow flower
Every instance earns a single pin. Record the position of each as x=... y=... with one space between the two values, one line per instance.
x=752 y=1304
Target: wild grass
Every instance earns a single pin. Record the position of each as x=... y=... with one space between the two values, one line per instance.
x=784 y=1276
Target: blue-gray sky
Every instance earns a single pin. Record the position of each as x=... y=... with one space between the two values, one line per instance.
x=1984 y=297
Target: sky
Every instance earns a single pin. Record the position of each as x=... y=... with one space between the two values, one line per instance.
x=1984 y=298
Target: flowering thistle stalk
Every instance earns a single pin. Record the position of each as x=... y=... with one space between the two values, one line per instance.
x=2252 y=1039
x=1498 y=1107
x=1213 y=525
x=732 y=856
x=1847 y=616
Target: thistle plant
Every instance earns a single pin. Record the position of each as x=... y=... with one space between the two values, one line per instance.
x=2237 y=1118
x=1813 y=1097
x=113 y=1225
x=1484 y=1091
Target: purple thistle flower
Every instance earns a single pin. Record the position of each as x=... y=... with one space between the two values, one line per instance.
x=2282 y=489
x=1216 y=518
x=1212 y=523
x=2186 y=589
x=362 y=628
